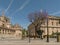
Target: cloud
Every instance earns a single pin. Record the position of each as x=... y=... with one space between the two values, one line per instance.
x=55 y=13
x=24 y=5
x=9 y=6
x=21 y=7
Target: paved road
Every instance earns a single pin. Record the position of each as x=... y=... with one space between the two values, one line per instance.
x=26 y=42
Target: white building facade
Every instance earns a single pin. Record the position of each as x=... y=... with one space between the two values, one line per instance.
x=9 y=30
x=53 y=26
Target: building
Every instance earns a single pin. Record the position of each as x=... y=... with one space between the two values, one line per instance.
x=53 y=26
x=9 y=30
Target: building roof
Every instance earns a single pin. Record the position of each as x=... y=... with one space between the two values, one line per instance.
x=54 y=17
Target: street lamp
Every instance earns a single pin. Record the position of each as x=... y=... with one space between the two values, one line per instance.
x=57 y=36
x=29 y=36
x=45 y=14
x=47 y=31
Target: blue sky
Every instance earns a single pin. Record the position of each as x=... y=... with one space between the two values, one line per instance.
x=18 y=10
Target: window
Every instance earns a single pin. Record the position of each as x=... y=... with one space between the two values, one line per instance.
x=52 y=23
x=6 y=20
x=3 y=25
x=43 y=23
x=0 y=18
x=52 y=30
x=57 y=23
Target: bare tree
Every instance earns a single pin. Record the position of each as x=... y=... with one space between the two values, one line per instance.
x=37 y=19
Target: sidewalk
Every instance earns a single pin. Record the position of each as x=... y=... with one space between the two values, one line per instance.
x=26 y=42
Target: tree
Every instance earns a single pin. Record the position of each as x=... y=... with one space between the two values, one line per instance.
x=37 y=19
x=24 y=33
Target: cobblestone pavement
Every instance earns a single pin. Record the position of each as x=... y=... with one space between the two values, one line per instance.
x=26 y=42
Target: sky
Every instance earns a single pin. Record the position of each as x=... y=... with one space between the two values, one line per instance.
x=18 y=10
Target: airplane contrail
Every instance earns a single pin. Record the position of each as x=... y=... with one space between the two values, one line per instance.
x=55 y=13
x=9 y=6
x=21 y=7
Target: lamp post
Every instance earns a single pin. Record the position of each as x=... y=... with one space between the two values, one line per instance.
x=29 y=36
x=45 y=14
x=47 y=31
x=57 y=36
